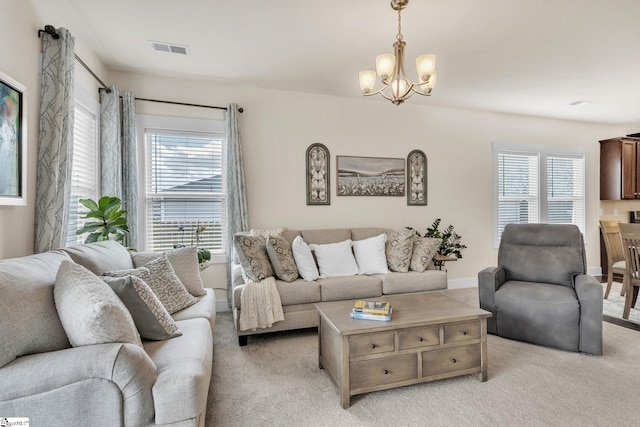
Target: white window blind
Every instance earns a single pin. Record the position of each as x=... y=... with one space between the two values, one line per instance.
x=84 y=168
x=185 y=189
x=537 y=185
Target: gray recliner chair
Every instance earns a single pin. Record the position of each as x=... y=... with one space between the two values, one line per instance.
x=540 y=292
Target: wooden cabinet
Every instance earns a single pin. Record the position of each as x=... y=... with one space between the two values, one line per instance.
x=619 y=168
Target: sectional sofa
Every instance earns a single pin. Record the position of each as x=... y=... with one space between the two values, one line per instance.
x=298 y=296
x=50 y=381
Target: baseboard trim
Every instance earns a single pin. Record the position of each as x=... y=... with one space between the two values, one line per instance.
x=462 y=283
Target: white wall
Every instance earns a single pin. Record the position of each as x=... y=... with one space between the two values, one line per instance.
x=278 y=126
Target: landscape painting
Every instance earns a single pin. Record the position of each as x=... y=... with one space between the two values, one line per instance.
x=370 y=176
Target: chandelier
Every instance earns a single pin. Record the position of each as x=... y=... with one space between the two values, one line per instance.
x=396 y=86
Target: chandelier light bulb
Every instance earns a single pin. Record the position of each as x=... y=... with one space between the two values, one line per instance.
x=431 y=83
x=426 y=66
x=384 y=65
x=367 y=80
x=398 y=87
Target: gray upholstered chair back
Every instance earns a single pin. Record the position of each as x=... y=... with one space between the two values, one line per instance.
x=548 y=253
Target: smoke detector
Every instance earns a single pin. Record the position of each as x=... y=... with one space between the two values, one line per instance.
x=169 y=47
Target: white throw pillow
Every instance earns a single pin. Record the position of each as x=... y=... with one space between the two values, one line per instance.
x=304 y=260
x=370 y=255
x=335 y=259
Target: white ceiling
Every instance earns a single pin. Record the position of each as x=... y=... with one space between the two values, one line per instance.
x=531 y=57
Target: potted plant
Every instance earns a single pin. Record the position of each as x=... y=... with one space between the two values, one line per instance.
x=449 y=241
x=204 y=255
x=110 y=220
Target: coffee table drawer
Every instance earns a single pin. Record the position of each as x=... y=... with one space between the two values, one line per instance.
x=362 y=345
x=452 y=359
x=461 y=332
x=418 y=337
x=387 y=370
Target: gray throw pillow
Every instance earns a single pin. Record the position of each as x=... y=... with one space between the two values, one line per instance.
x=90 y=312
x=184 y=262
x=424 y=248
x=399 y=248
x=151 y=318
x=162 y=280
x=252 y=253
x=281 y=257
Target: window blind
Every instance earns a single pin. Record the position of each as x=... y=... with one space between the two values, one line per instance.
x=185 y=190
x=84 y=169
x=518 y=195
x=566 y=190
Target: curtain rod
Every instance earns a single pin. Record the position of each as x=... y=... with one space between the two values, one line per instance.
x=50 y=29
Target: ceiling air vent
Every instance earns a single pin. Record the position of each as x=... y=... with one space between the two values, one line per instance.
x=169 y=47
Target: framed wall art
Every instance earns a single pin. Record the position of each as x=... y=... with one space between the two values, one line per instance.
x=318 y=189
x=13 y=156
x=370 y=176
x=416 y=178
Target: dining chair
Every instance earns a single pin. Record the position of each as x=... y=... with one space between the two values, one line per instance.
x=615 y=256
x=630 y=235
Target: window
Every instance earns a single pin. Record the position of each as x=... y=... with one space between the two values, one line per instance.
x=537 y=184
x=183 y=184
x=85 y=163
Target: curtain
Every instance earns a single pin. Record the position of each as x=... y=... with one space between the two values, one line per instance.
x=130 y=166
x=236 y=211
x=55 y=141
x=110 y=148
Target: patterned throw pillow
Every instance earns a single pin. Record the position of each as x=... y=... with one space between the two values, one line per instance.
x=424 y=248
x=281 y=257
x=399 y=248
x=90 y=312
x=151 y=318
x=252 y=253
x=184 y=262
x=162 y=280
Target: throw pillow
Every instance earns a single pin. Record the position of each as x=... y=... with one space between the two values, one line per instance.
x=424 y=248
x=162 y=280
x=90 y=312
x=281 y=257
x=370 y=255
x=266 y=232
x=252 y=253
x=152 y=320
x=184 y=262
x=304 y=260
x=335 y=259
x=399 y=249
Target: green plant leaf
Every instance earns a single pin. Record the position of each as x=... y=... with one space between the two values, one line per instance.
x=89 y=204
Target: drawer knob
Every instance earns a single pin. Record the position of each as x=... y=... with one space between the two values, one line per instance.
x=453 y=360
x=420 y=339
x=464 y=332
x=386 y=371
x=373 y=346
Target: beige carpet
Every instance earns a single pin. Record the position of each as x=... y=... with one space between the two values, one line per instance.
x=275 y=381
x=614 y=305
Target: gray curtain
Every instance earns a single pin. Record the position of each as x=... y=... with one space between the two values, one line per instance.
x=55 y=141
x=130 y=166
x=236 y=211
x=110 y=147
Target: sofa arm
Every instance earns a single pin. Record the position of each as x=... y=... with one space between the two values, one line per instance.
x=489 y=281
x=85 y=385
x=589 y=293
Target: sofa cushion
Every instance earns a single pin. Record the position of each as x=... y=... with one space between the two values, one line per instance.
x=370 y=255
x=162 y=280
x=281 y=257
x=38 y=329
x=204 y=308
x=252 y=253
x=412 y=281
x=152 y=320
x=398 y=249
x=89 y=310
x=361 y=233
x=424 y=248
x=305 y=263
x=99 y=257
x=324 y=236
x=335 y=259
x=184 y=262
x=349 y=287
x=184 y=372
x=297 y=292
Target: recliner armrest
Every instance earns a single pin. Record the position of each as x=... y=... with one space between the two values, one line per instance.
x=589 y=292
x=489 y=281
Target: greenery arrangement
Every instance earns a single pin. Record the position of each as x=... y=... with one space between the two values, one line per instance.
x=449 y=241
x=111 y=220
x=203 y=253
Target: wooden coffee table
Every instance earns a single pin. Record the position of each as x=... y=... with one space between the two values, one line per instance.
x=430 y=337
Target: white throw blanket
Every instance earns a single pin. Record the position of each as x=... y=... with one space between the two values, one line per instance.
x=260 y=305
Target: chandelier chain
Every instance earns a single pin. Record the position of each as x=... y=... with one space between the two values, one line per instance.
x=399 y=35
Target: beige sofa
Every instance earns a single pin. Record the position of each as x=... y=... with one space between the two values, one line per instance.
x=50 y=382
x=299 y=296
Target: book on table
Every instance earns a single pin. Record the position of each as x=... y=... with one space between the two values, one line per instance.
x=372 y=307
x=356 y=314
